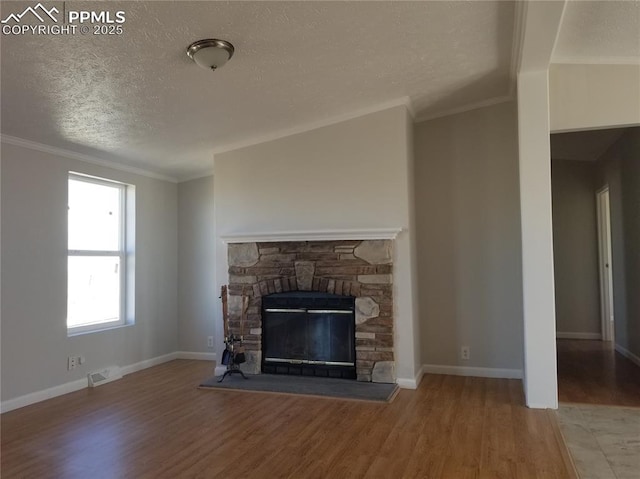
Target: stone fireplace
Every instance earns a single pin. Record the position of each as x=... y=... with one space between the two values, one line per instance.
x=362 y=269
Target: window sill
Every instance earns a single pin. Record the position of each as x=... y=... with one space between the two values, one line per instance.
x=71 y=334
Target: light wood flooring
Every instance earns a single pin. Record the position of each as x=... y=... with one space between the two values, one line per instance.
x=592 y=372
x=157 y=424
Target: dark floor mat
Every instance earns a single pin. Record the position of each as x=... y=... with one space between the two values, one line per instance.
x=309 y=386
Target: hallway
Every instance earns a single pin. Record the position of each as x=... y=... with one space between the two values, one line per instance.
x=592 y=372
x=599 y=393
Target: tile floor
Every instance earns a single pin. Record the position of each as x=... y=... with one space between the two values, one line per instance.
x=604 y=441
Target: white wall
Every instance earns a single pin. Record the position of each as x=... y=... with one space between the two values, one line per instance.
x=468 y=224
x=350 y=175
x=413 y=244
x=575 y=247
x=583 y=97
x=197 y=297
x=538 y=301
x=35 y=345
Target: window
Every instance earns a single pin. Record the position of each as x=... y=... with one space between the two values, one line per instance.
x=97 y=258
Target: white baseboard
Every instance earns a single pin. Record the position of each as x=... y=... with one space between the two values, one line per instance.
x=542 y=405
x=472 y=371
x=32 y=398
x=596 y=336
x=78 y=384
x=195 y=355
x=411 y=383
x=148 y=363
x=628 y=354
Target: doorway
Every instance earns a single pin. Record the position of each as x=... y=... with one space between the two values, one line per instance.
x=596 y=193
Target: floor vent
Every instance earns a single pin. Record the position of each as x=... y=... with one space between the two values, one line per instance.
x=104 y=376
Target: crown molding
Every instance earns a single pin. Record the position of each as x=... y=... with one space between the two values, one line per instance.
x=465 y=108
x=540 y=24
x=404 y=101
x=558 y=30
x=591 y=128
x=633 y=61
x=54 y=150
x=410 y=108
x=519 y=17
x=203 y=174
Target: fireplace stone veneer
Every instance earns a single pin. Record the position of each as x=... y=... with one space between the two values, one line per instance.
x=362 y=269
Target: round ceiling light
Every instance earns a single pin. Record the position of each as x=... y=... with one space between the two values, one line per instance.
x=210 y=53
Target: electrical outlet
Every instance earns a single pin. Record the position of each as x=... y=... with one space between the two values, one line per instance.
x=465 y=353
x=72 y=362
x=210 y=341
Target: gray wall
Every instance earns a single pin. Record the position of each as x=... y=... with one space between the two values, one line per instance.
x=619 y=167
x=197 y=297
x=35 y=345
x=575 y=246
x=468 y=238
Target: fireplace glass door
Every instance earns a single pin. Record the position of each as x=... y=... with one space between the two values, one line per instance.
x=309 y=334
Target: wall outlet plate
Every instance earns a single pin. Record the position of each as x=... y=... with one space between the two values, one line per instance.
x=72 y=362
x=210 y=341
x=465 y=353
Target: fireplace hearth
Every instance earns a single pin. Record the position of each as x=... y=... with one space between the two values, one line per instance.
x=309 y=334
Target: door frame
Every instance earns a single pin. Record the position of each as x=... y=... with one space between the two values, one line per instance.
x=607 y=316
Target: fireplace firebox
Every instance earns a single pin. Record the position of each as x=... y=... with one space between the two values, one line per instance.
x=309 y=334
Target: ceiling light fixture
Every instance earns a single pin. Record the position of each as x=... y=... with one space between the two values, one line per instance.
x=210 y=53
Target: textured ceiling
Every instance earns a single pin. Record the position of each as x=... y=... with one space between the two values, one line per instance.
x=599 y=32
x=583 y=145
x=138 y=99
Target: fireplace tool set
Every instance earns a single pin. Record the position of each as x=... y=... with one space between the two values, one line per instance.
x=233 y=355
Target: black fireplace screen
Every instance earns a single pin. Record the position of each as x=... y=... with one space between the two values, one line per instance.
x=309 y=334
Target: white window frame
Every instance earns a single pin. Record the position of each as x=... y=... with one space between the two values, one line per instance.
x=121 y=253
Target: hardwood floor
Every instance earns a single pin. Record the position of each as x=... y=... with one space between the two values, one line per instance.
x=156 y=424
x=591 y=372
